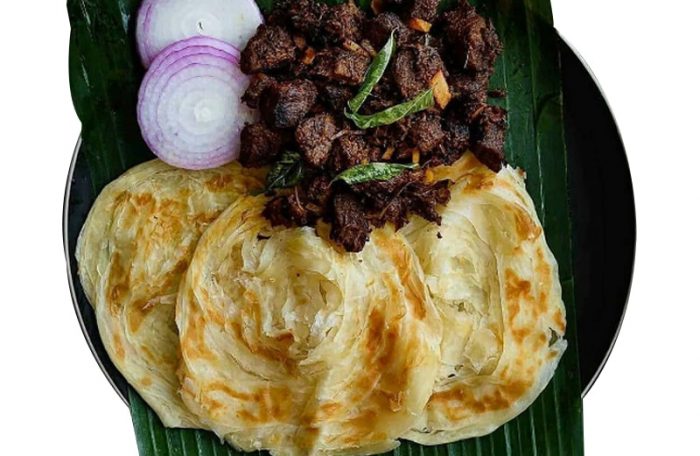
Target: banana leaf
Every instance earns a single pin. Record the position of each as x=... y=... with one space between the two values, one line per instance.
x=105 y=74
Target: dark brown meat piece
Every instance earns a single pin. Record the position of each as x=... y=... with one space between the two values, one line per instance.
x=395 y=135
x=384 y=95
x=379 y=28
x=472 y=40
x=336 y=97
x=344 y=22
x=380 y=193
x=470 y=91
x=489 y=131
x=285 y=104
x=340 y=65
x=258 y=83
x=315 y=138
x=350 y=227
x=318 y=193
x=424 y=199
x=260 y=145
x=288 y=210
x=393 y=201
x=414 y=68
x=351 y=150
x=426 y=132
x=423 y=9
x=457 y=140
x=270 y=49
x=307 y=16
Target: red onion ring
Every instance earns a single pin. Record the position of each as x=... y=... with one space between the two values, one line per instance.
x=189 y=107
x=162 y=22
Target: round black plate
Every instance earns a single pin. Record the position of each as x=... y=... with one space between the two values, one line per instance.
x=602 y=206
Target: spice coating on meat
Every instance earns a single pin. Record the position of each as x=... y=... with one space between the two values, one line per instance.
x=472 y=39
x=260 y=145
x=350 y=226
x=315 y=138
x=340 y=65
x=344 y=22
x=335 y=97
x=470 y=91
x=424 y=9
x=414 y=67
x=490 y=132
x=270 y=49
x=379 y=28
x=258 y=83
x=308 y=62
x=426 y=132
x=351 y=150
x=285 y=104
x=307 y=16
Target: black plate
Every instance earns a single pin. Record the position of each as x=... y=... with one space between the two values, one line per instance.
x=602 y=205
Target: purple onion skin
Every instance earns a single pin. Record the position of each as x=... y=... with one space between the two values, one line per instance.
x=186 y=61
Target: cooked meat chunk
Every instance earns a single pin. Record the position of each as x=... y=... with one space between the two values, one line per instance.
x=350 y=226
x=379 y=28
x=306 y=16
x=424 y=199
x=306 y=63
x=489 y=131
x=414 y=68
x=470 y=91
x=344 y=22
x=285 y=104
x=392 y=136
x=340 y=65
x=336 y=97
x=276 y=211
x=315 y=138
x=351 y=150
x=407 y=194
x=384 y=96
x=260 y=145
x=288 y=210
x=258 y=83
x=380 y=193
x=426 y=132
x=319 y=192
x=424 y=9
x=471 y=39
x=456 y=142
x=270 y=49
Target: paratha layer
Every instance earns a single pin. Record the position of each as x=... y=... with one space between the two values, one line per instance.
x=132 y=252
x=294 y=346
x=495 y=283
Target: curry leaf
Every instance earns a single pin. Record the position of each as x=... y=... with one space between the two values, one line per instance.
x=423 y=101
x=374 y=74
x=287 y=172
x=370 y=172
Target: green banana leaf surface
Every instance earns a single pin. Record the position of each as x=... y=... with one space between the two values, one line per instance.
x=105 y=74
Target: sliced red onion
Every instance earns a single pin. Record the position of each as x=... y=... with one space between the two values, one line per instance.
x=161 y=23
x=190 y=108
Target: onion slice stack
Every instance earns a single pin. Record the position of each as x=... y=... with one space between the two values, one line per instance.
x=163 y=22
x=189 y=109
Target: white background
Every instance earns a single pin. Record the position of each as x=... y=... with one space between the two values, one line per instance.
x=53 y=397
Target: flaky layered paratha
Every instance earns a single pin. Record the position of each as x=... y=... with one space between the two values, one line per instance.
x=132 y=252
x=496 y=285
x=292 y=345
